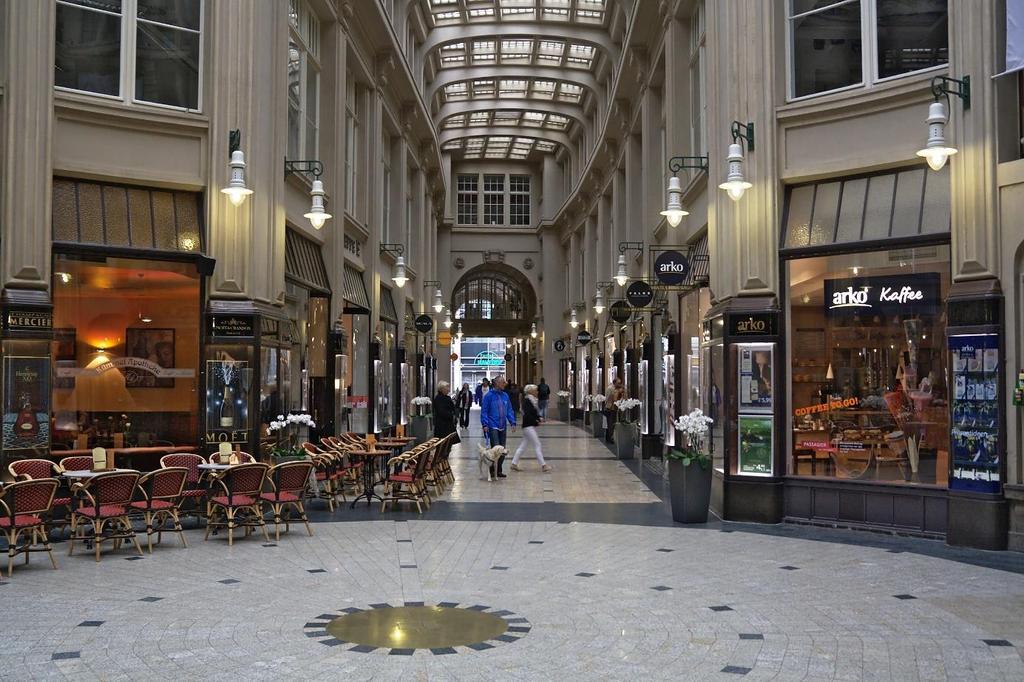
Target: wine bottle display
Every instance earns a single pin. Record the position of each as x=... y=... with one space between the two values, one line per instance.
x=227 y=408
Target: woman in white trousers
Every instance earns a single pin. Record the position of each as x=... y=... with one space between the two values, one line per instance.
x=531 y=420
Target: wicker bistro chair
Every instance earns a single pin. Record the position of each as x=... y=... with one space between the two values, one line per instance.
x=30 y=469
x=76 y=463
x=161 y=499
x=195 y=488
x=439 y=471
x=103 y=502
x=289 y=482
x=326 y=472
x=406 y=478
x=235 y=496
x=24 y=506
x=350 y=470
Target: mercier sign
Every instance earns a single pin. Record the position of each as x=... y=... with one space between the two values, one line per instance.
x=911 y=294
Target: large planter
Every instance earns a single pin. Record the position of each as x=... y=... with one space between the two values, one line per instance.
x=563 y=410
x=420 y=428
x=597 y=423
x=624 y=433
x=690 y=491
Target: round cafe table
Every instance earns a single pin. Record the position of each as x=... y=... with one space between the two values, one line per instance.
x=89 y=473
x=369 y=457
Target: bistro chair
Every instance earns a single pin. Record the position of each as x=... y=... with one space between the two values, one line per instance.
x=350 y=469
x=103 y=502
x=194 y=489
x=235 y=500
x=30 y=469
x=406 y=481
x=288 y=484
x=25 y=505
x=76 y=463
x=243 y=458
x=326 y=473
x=161 y=499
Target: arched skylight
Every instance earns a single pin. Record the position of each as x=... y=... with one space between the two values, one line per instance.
x=448 y=12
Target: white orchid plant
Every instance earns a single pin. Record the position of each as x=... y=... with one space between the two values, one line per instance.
x=287 y=427
x=421 y=403
x=694 y=427
x=598 y=401
x=563 y=395
x=624 y=407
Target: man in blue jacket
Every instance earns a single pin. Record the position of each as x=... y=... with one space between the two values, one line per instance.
x=495 y=415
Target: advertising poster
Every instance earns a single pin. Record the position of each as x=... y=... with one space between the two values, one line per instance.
x=975 y=428
x=755 y=377
x=26 y=403
x=755 y=445
x=227 y=392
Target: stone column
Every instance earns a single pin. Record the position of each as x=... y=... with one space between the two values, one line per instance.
x=333 y=80
x=553 y=299
x=27 y=168
x=248 y=70
x=551 y=188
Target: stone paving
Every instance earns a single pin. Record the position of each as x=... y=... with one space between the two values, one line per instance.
x=598 y=600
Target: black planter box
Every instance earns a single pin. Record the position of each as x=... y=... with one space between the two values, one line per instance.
x=689 y=491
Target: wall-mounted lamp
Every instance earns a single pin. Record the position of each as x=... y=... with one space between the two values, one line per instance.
x=399 y=277
x=674 y=211
x=236 y=188
x=937 y=151
x=458 y=332
x=735 y=183
x=573 y=322
x=317 y=214
x=448 y=319
x=621 y=275
x=533 y=330
x=599 y=306
x=438 y=303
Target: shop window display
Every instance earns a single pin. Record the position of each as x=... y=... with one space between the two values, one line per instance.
x=869 y=388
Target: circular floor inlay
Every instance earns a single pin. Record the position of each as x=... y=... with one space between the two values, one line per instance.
x=417 y=627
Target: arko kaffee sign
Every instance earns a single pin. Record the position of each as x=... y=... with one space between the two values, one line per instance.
x=911 y=294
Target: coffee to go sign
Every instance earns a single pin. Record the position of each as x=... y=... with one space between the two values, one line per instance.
x=889 y=295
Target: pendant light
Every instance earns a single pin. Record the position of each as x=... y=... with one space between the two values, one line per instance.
x=533 y=330
x=317 y=215
x=621 y=276
x=573 y=322
x=599 y=301
x=399 y=277
x=937 y=151
x=735 y=183
x=447 y=319
x=236 y=188
x=438 y=304
x=674 y=212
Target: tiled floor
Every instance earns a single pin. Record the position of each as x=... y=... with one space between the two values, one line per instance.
x=589 y=601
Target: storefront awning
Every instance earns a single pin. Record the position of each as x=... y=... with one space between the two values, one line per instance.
x=130 y=217
x=387 y=305
x=304 y=264
x=897 y=205
x=356 y=300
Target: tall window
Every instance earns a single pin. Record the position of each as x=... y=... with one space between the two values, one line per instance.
x=698 y=78
x=351 y=142
x=135 y=50
x=494 y=199
x=519 y=200
x=846 y=43
x=467 y=199
x=303 y=80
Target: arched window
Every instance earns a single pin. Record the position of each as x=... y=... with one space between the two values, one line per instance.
x=489 y=296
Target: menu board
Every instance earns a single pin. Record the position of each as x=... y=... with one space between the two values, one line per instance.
x=975 y=429
x=755 y=377
x=755 y=444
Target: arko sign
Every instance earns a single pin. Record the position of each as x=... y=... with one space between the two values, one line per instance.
x=911 y=294
x=671 y=268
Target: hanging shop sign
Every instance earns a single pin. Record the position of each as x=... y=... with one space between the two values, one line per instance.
x=559 y=345
x=28 y=320
x=489 y=358
x=583 y=338
x=424 y=323
x=508 y=357
x=671 y=268
x=754 y=324
x=234 y=326
x=453 y=357
x=620 y=312
x=444 y=338
x=639 y=294
x=890 y=295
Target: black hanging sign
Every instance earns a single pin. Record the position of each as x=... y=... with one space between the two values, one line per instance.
x=424 y=323
x=639 y=294
x=620 y=312
x=671 y=268
x=233 y=326
x=583 y=338
x=559 y=345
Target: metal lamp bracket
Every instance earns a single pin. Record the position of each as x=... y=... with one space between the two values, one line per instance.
x=678 y=163
x=308 y=166
x=944 y=86
x=743 y=131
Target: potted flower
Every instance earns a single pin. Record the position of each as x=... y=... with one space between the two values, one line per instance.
x=563 y=406
x=625 y=428
x=585 y=404
x=287 y=429
x=689 y=470
x=596 y=415
x=420 y=418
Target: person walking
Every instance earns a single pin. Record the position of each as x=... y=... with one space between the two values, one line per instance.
x=514 y=397
x=610 y=411
x=444 y=411
x=495 y=416
x=481 y=391
x=463 y=403
x=531 y=420
x=543 y=395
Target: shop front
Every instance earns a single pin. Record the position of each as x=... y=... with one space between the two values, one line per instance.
x=351 y=356
x=386 y=366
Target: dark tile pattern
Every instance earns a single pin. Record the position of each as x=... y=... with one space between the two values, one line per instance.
x=333 y=642
x=65 y=655
x=904 y=597
x=363 y=649
x=720 y=608
x=269 y=544
x=401 y=652
x=536 y=542
x=736 y=669
x=661 y=588
x=448 y=604
x=790 y=568
x=151 y=599
x=316 y=570
x=380 y=606
x=407 y=565
x=91 y=623
x=584 y=574
x=441 y=651
x=481 y=646
x=134 y=558
x=665 y=550
x=414 y=603
x=499 y=568
x=749 y=635
x=997 y=642
x=229 y=581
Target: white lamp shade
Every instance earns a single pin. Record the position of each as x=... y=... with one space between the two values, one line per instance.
x=674 y=211
x=399 y=277
x=236 y=189
x=621 y=276
x=317 y=215
x=438 y=303
x=735 y=183
x=937 y=151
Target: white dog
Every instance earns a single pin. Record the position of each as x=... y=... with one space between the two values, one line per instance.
x=488 y=458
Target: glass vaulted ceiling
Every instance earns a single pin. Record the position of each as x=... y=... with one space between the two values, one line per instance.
x=540 y=92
